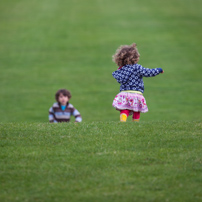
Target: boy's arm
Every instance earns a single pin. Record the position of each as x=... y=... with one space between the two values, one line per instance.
x=51 y=116
x=146 y=72
x=77 y=115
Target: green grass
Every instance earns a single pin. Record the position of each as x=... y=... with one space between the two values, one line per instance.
x=101 y=161
x=47 y=45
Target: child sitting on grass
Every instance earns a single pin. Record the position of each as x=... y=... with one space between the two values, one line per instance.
x=130 y=100
x=62 y=110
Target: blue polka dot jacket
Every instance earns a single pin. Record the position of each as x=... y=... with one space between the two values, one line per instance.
x=131 y=76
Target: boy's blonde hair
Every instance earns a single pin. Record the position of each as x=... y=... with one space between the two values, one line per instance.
x=126 y=55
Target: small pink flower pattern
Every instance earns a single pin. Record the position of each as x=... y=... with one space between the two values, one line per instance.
x=130 y=101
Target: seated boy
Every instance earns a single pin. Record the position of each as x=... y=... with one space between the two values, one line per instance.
x=62 y=110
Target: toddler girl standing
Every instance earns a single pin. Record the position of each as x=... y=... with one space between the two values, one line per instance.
x=130 y=100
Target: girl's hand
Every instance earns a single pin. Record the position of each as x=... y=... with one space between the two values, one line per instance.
x=160 y=70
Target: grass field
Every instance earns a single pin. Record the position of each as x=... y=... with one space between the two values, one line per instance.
x=110 y=161
x=47 y=45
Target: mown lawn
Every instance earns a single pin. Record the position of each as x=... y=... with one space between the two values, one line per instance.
x=101 y=161
x=47 y=45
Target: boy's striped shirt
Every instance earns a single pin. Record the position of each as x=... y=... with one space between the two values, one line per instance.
x=56 y=114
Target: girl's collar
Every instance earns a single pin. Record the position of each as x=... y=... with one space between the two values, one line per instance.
x=120 y=67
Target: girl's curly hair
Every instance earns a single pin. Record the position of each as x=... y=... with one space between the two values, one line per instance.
x=126 y=55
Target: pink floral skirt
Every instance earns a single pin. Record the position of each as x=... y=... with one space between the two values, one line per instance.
x=131 y=101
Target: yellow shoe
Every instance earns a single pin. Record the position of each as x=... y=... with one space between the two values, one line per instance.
x=136 y=120
x=123 y=117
